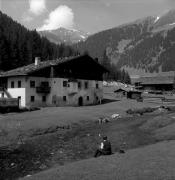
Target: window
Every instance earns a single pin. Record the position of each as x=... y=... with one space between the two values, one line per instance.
x=64 y=98
x=97 y=86
x=32 y=98
x=86 y=85
x=79 y=85
x=19 y=84
x=64 y=83
x=43 y=98
x=87 y=98
x=12 y=84
x=32 y=84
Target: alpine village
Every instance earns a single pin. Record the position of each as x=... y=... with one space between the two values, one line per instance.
x=66 y=95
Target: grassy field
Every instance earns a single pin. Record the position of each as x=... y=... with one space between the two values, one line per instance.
x=153 y=162
x=42 y=139
x=13 y=124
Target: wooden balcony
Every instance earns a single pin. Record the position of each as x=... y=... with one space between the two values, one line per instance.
x=43 y=89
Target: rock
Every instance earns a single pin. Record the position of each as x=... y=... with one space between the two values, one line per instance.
x=28 y=175
x=12 y=164
x=115 y=116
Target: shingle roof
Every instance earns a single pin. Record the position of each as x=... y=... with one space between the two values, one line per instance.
x=156 y=80
x=126 y=89
x=25 y=70
x=120 y=90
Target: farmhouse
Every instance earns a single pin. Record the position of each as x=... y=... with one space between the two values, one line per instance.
x=161 y=82
x=73 y=81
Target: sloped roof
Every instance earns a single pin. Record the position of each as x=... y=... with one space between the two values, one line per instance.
x=120 y=90
x=156 y=80
x=26 y=70
x=126 y=89
x=143 y=77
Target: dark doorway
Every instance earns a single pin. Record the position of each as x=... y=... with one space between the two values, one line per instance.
x=80 y=101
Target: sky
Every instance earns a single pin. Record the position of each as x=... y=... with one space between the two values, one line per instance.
x=87 y=15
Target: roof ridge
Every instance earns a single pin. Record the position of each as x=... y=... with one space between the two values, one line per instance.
x=30 y=68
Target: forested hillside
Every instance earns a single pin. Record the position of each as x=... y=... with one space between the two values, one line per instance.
x=153 y=53
x=147 y=44
x=108 y=40
x=19 y=46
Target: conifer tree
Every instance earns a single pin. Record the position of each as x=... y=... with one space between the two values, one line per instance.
x=19 y=46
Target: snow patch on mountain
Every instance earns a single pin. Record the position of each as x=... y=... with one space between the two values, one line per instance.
x=157 y=18
x=172 y=24
x=62 y=35
x=83 y=36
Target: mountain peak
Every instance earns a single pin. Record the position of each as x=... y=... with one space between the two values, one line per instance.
x=166 y=19
x=157 y=18
x=63 y=35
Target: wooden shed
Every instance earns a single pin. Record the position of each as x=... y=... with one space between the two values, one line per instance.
x=120 y=92
x=134 y=94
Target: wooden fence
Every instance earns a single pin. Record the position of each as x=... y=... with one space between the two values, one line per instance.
x=9 y=102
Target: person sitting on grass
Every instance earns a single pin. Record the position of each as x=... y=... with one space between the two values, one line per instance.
x=105 y=148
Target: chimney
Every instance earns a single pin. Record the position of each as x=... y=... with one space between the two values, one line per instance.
x=37 y=61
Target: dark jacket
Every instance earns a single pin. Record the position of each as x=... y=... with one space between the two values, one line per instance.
x=107 y=147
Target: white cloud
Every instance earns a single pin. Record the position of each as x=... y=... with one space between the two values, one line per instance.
x=62 y=16
x=26 y=17
x=37 y=7
x=0 y=5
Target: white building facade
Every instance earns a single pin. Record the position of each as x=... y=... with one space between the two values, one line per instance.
x=57 y=84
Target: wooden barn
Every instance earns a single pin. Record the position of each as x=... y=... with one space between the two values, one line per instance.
x=159 y=82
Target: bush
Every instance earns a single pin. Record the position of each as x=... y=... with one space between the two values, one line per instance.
x=24 y=109
x=8 y=109
x=140 y=111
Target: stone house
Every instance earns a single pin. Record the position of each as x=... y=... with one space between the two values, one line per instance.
x=72 y=81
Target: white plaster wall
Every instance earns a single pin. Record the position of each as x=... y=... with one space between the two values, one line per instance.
x=16 y=92
x=58 y=91
x=55 y=97
x=32 y=92
x=72 y=92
